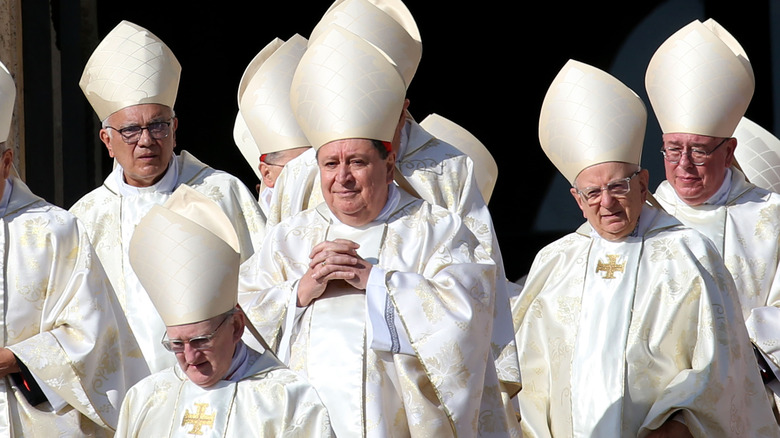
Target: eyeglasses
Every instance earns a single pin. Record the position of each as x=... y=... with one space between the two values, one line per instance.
x=157 y=130
x=697 y=156
x=200 y=343
x=618 y=188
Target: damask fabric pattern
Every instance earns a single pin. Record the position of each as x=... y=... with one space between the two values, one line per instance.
x=269 y=401
x=110 y=227
x=438 y=280
x=440 y=174
x=686 y=349
x=746 y=232
x=63 y=322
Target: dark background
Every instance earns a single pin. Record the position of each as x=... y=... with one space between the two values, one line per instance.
x=485 y=65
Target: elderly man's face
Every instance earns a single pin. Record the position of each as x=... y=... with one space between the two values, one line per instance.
x=354 y=179
x=696 y=184
x=145 y=161
x=207 y=367
x=612 y=216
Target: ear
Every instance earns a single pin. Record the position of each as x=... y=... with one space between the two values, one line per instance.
x=577 y=198
x=238 y=326
x=105 y=137
x=265 y=172
x=6 y=162
x=731 y=146
x=390 y=163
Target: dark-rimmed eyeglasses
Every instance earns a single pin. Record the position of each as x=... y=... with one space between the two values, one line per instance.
x=200 y=343
x=697 y=157
x=157 y=130
x=618 y=188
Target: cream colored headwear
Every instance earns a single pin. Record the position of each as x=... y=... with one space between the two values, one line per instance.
x=387 y=24
x=758 y=154
x=345 y=88
x=588 y=117
x=485 y=167
x=241 y=135
x=186 y=256
x=131 y=66
x=265 y=102
x=700 y=81
x=7 y=100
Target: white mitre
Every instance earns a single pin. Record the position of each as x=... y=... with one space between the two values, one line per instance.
x=387 y=24
x=131 y=66
x=7 y=100
x=185 y=254
x=241 y=135
x=345 y=88
x=265 y=102
x=485 y=167
x=588 y=117
x=700 y=81
x=758 y=154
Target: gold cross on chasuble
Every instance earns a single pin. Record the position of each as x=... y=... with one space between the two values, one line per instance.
x=611 y=267
x=199 y=419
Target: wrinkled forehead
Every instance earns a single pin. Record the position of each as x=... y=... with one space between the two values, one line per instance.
x=685 y=139
x=604 y=173
x=141 y=113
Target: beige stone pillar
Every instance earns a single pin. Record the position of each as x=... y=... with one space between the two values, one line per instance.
x=11 y=56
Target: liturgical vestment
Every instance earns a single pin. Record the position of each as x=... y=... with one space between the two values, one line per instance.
x=440 y=174
x=744 y=225
x=617 y=337
x=261 y=398
x=111 y=212
x=409 y=356
x=63 y=323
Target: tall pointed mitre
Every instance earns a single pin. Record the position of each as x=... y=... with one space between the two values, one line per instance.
x=387 y=24
x=265 y=103
x=758 y=154
x=345 y=88
x=131 y=66
x=700 y=81
x=7 y=100
x=588 y=117
x=485 y=167
x=241 y=135
x=186 y=256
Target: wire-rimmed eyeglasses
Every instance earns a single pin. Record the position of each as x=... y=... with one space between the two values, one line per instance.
x=202 y=342
x=697 y=156
x=618 y=188
x=131 y=134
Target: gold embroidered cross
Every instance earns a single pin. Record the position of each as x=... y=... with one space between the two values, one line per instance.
x=198 y=419
x=611 y=267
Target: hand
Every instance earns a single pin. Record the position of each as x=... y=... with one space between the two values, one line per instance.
x=8 y=363
x=671 y=429
x=332 y=260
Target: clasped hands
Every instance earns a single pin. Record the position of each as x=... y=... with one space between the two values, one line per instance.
x=332 y=260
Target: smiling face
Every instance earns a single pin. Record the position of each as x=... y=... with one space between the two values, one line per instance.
x=696 y=184
x=207 y=367
x=612 y=217
x=354 y=179
x=145 y=162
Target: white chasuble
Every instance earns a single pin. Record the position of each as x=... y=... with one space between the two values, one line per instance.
x=265 y=400
x=438 y=280
x=63 y=322
x=599 y=353
x=665 y=340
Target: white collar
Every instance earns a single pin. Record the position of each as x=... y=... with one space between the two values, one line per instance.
x=9 y=186
x=393 y=197
x=721 y=196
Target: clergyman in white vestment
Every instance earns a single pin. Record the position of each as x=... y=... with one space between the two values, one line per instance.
x=139 y=131
x=382 y=300
x=699 y=102
x=185 y=253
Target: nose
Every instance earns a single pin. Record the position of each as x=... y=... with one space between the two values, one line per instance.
x=686 y=155
x=343 y=174
x=190 y=353
x=146 y=138
x=606 y=198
